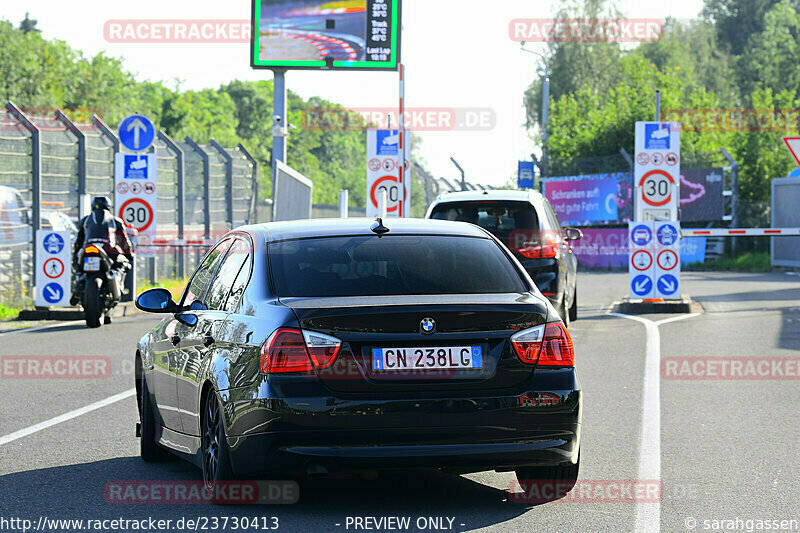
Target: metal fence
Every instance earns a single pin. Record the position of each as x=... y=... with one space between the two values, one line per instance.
x=51 y=165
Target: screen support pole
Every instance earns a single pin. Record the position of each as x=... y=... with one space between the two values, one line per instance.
x=280 y=122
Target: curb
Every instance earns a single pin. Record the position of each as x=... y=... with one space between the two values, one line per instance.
x=684 y=305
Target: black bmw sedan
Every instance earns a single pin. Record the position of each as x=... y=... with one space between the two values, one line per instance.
x=312 y=346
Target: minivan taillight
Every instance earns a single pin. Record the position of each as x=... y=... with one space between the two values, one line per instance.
x=547 y=345
x=294 y=350
x=547 y=251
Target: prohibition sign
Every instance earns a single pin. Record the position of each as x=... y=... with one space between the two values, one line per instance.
x=374 y=165
x=656 y=187
x=391 y=190
x=53 y=268
x=667 y=260
x=641 y=260
x=137 y=213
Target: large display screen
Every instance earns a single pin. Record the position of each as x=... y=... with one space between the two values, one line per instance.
x=334 y=35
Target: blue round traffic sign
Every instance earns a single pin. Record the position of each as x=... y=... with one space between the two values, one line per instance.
x=53 y=292
x=53 y=243
x=667 y=235
x=668 y=284
x=641 y=235
x=641 y=285
x=136 y=133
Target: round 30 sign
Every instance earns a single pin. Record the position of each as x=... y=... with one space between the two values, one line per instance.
x=136 y=213
x=392 y=192
x=656 y=187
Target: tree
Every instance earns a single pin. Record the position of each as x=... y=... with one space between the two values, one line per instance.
x=28 y=25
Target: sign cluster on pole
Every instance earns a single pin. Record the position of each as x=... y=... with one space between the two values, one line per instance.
x=53 y=268
x=654 y=234
x=383 y=169
x=135 y=178
x=657 y=170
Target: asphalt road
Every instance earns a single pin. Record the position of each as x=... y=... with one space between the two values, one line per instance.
x=728 y=448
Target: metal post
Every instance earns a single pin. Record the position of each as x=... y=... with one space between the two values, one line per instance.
x=36 y=177
x=627 y=157
x=280 y=120
x=343 y=203
x=545 y=114
x=382 y=198
x=734 y=195
x=206 y=186
x=254 y=195
x=178 y=152
x=658 y=105
x=81 y=137
x=401 y=157
x=463 y=179
x=228 y=180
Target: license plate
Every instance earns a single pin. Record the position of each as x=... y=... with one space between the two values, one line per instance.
x=91 y=264
x=447 y=357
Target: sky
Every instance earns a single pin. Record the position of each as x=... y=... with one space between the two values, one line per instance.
x=457 y=53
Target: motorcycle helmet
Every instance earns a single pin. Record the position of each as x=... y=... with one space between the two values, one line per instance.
x=101 y=202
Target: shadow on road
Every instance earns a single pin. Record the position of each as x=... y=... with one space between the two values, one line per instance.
x=77 y=491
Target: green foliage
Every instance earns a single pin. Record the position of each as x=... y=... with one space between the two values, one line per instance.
x=744 y=54
x=37 y=73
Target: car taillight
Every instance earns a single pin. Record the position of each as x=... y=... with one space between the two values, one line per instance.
x=547 y=250
x=294 y=350
x=546 y=345
x=91 y=249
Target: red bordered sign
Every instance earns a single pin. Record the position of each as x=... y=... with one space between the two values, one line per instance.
x=656 y=187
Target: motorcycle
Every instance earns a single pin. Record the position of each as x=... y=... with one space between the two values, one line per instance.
x=100 y=283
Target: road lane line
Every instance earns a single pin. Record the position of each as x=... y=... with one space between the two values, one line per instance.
x=39 y=328
x=66 y=416
x=648 y=515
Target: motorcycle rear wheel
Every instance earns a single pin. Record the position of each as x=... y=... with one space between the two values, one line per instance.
x=92 y=306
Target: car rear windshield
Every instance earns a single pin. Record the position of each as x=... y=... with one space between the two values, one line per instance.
x=501 y=218
x=391 y=265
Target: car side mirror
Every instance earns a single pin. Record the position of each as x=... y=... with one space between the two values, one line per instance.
x=188 y=319
x=157 y=300
x=573 y=234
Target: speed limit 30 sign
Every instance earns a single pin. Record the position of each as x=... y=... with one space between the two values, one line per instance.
x=656 y=188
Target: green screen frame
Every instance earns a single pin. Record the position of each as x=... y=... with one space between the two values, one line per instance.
x=255 y=22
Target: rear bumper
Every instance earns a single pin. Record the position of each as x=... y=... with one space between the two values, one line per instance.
x=462 y=434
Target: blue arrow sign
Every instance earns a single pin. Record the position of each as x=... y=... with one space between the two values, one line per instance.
x=641 y=285
x=667 y=235
x=667 y=284
x=641 y=235
x=136 y=133
x=53 y=292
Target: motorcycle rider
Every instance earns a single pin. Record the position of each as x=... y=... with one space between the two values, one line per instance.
x=101 y=227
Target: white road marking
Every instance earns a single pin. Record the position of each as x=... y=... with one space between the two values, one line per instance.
x=648 y=515
x=24 y=330
x=66 y=416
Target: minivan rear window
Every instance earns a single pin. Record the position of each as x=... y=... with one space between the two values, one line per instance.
x=391 y=265
x=500 y=218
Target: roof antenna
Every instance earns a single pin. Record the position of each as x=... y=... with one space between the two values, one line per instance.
x=378 y=227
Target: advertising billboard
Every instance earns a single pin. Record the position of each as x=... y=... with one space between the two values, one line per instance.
x=332 y=35
x=701 y=194
x=591 y=199
x=607 y=248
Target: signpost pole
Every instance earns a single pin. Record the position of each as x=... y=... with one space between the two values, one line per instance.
x=280 y=119
x=658 y=105
x=401 y=158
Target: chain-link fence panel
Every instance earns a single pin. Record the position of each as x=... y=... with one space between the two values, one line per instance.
x=16 y=245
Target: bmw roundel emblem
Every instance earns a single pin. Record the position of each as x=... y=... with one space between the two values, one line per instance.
x=427 y=326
